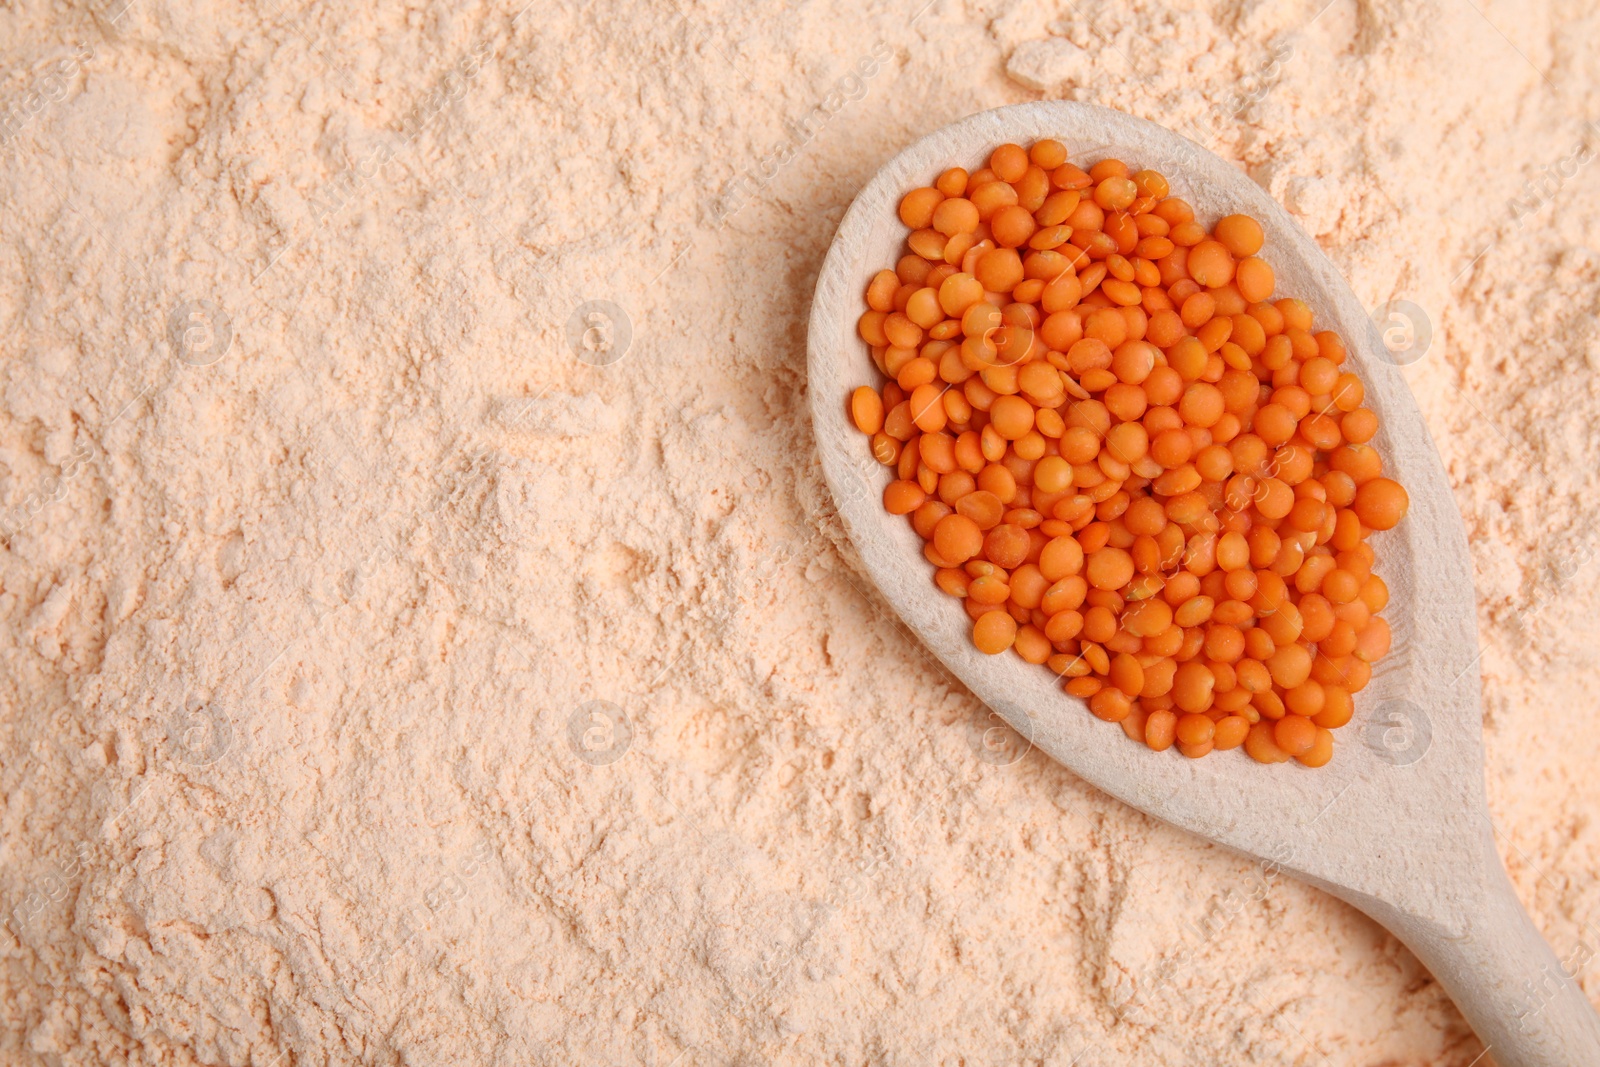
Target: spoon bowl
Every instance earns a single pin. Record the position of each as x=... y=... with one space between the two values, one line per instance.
x=1397 y=824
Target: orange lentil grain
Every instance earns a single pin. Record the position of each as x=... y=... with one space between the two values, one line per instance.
x=994 y=632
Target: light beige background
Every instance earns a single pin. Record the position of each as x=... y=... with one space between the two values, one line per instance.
x=321 y=542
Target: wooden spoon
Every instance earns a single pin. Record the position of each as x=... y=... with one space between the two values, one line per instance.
x=1397 y=824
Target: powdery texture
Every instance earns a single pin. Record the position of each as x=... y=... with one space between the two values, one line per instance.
x=300 y=760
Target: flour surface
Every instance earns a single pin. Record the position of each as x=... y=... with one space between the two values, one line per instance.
x=425 y=635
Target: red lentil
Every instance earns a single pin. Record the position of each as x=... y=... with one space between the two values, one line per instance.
x=1126 y=459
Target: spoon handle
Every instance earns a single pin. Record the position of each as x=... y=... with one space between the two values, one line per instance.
x=1517 y=995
